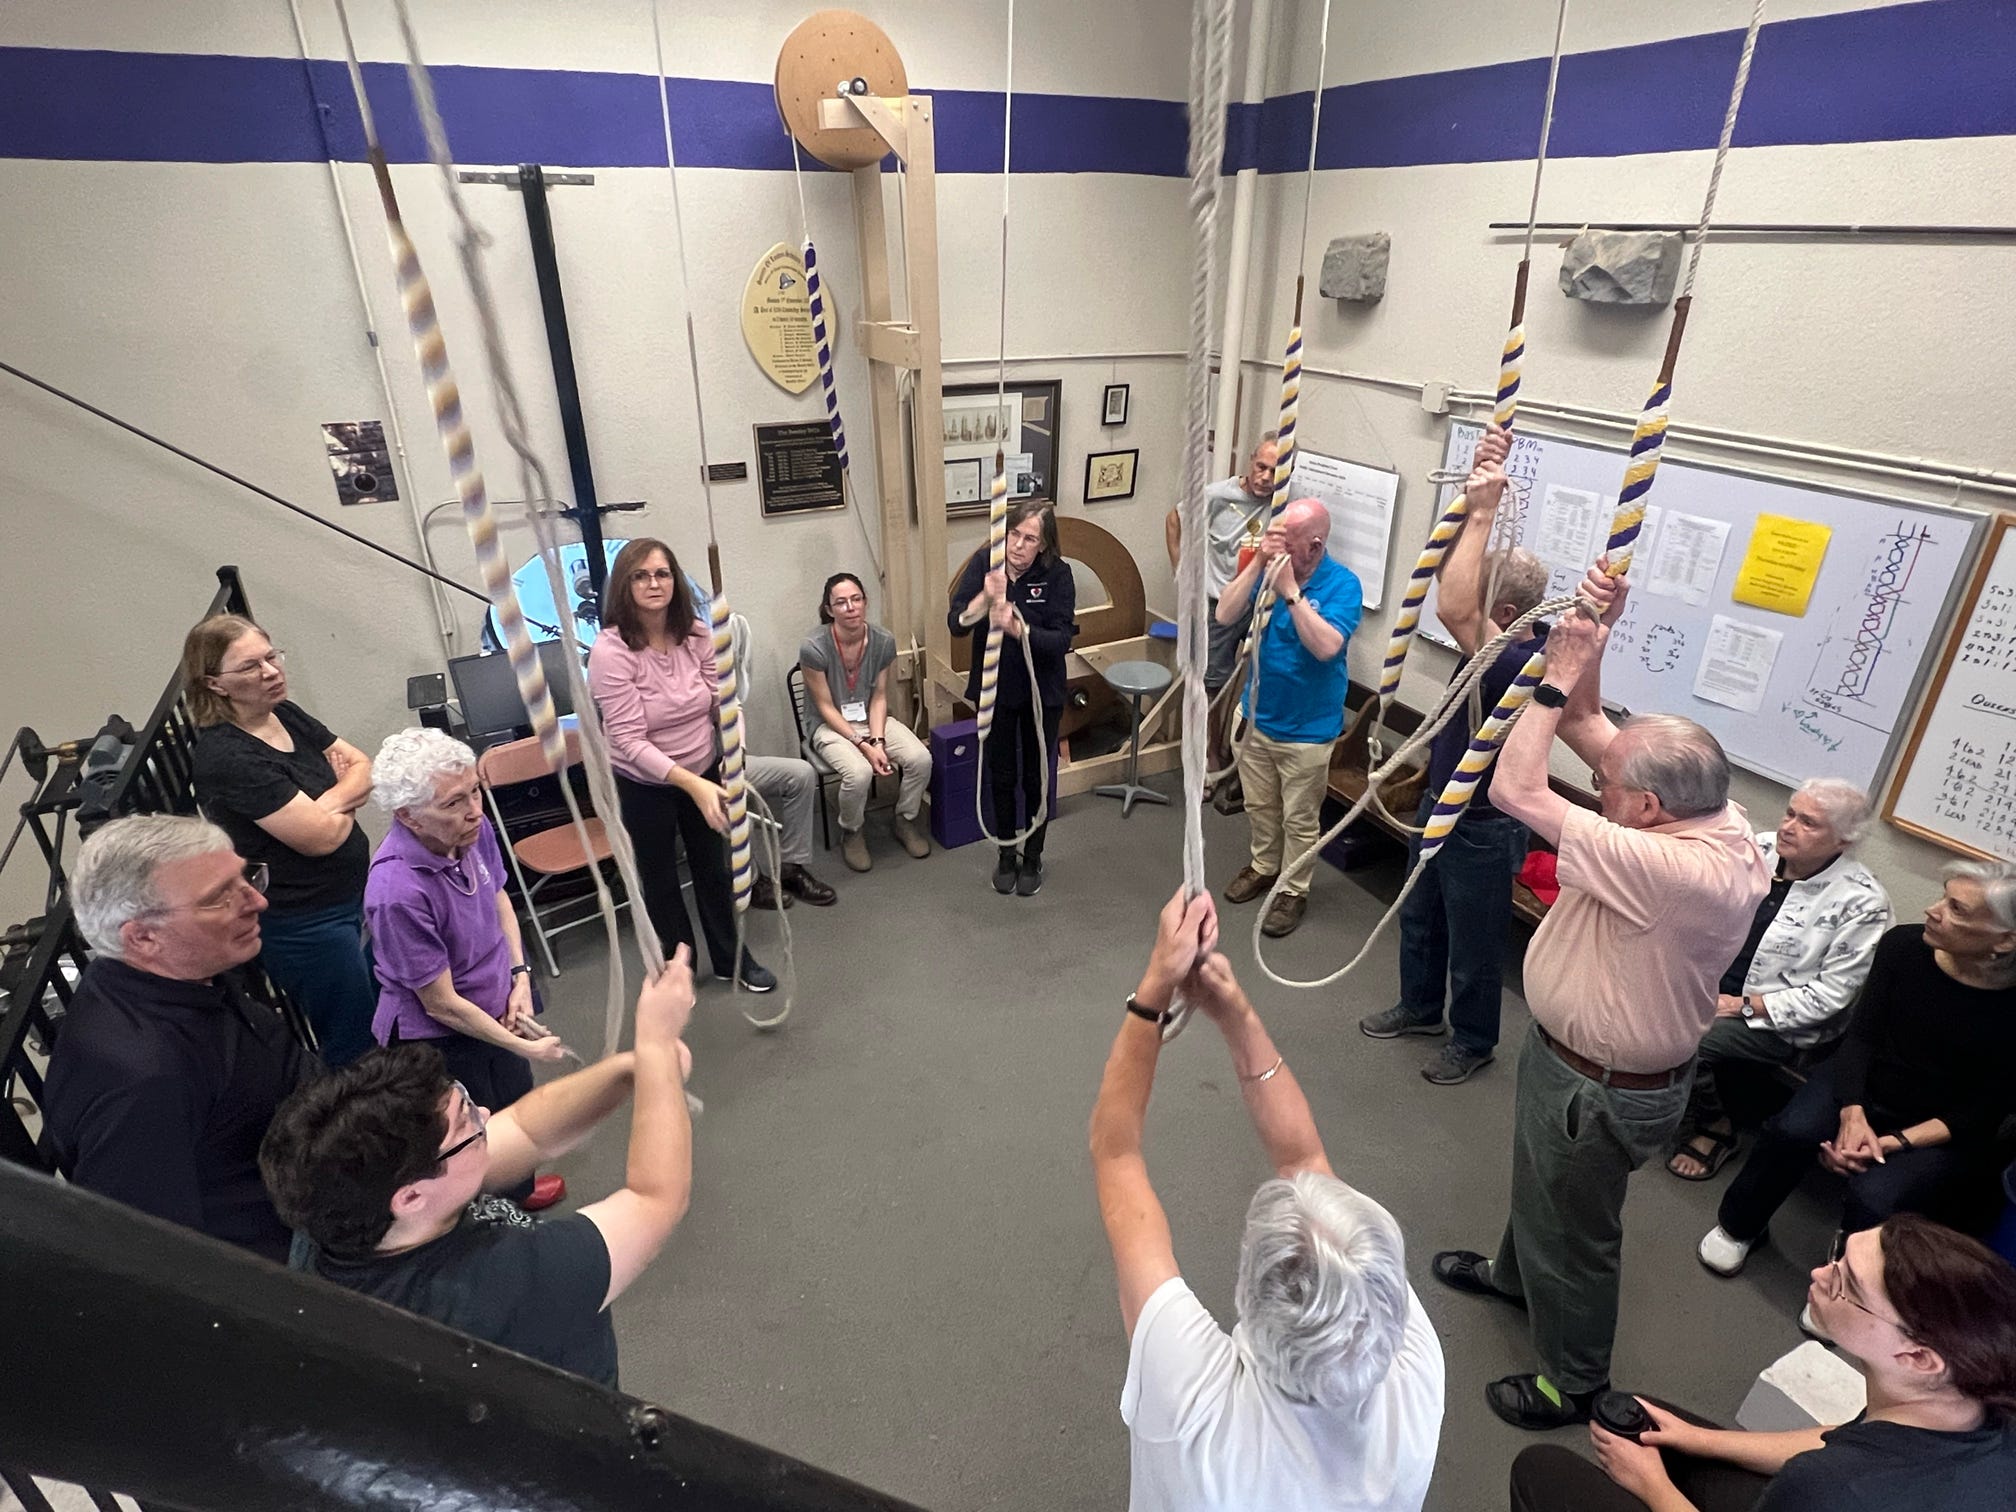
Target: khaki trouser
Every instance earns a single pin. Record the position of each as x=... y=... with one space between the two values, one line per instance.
x=1284 y=783
x=910 y=756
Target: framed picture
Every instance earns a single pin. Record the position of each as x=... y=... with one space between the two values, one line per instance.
x=1115 y=411
x=1021 y=424
x=1110 y=475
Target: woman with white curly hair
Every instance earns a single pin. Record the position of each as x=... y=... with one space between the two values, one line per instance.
x=445 y=940
x=1328 y=1392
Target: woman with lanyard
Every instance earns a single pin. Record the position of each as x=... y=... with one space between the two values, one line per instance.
x=1033 y=603
x=845 y=664
x=652 y=674
x=286 y=790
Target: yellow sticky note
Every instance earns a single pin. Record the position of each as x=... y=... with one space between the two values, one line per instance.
x=1782 y=564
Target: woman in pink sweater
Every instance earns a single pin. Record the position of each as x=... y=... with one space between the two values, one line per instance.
x=652 y=673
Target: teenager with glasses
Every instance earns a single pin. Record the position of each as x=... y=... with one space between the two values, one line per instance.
x=652 y=674
x=167 y=1073
x=1928 y=1316
x=286 y=789
x=389 y=1169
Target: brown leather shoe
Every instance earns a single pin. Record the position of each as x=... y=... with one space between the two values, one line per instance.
x=763 y=894
x=1248 y=885
x=800 y=883
x=1284 y=916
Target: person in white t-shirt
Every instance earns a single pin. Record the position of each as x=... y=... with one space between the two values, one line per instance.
x=1328 y=1392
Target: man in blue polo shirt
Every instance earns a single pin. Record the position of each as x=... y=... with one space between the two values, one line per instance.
x=1285 y=761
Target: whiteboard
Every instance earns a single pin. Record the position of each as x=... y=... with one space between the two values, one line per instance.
x=1360 y=500
x=1819 y=694
x=1957 y=782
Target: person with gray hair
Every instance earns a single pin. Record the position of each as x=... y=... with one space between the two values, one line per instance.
x=1328 y=1393
x=166 y=1072
x=1808 y=951
x=1453 y=923
x=1620 y=977
x=445 y=940
x=1910 y=1107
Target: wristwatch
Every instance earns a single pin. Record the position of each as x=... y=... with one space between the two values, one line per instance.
x=1550 y=697
x=521 y=969
x=1154 y=1016
x=1750 y=1010
x=1293 y=599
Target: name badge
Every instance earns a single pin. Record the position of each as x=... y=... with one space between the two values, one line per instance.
x=854 y=712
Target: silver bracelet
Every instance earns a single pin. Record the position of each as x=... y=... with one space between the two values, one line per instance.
x=1270 y=1073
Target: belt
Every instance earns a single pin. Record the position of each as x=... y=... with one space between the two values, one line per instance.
x=1631 y=1081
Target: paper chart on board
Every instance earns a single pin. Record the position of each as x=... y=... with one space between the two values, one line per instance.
x=1685 y=556
x=1736 y=667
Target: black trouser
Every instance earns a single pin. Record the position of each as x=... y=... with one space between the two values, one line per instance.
x=658 y=815
x=495 y=1076
x=1013 y=750
x=1908 y=1181
x=1554 y=1478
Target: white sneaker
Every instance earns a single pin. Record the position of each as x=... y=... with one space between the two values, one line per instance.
x=1722 y=1254
x=1810 y=1326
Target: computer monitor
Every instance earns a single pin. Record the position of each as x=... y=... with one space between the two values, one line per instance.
x=489 y=693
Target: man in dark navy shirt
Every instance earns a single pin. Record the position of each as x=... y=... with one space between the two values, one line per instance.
x=165 y=1073
x=1452 y=926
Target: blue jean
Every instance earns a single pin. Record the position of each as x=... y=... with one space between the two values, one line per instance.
x=317 y=957
x=1452 y=926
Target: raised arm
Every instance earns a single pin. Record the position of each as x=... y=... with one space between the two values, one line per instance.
x=1274 y=1099
x=1238 y=594
x=1460 y=586
x=1144 y=1256
x=1574 y=647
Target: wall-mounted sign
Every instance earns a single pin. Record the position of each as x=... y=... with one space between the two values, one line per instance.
x=360 y=460
x=797 y=469
x=777 y=320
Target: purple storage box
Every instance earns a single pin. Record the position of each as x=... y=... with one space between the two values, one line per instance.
x=955 y=771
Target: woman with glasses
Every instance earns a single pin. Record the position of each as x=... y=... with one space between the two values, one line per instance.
x=652 y=674
x=845 y=664
x=286 y=789
x=1910 y=1108
x=1034 y=603
x=1928 y=1316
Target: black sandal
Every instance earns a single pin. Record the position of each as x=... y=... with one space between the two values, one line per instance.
x=1720 y=1148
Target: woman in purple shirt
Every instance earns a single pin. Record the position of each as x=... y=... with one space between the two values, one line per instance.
x=445 y=940
x=652 y=674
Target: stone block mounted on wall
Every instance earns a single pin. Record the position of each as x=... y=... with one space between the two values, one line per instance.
x=1354 y=267
x=1621 y=267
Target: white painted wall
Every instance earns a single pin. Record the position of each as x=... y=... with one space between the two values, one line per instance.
x=215 y=304
x=1896 y=347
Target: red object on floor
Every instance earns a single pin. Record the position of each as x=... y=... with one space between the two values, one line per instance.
x=1539 y=876
x=546 y=1190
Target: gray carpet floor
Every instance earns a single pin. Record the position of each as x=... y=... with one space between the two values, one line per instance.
x=893 y=1266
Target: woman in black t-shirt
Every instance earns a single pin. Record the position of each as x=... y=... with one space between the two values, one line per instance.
x=286 y=790
x=1929 y=1318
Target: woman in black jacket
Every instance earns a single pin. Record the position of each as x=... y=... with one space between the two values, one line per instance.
x=1034 y=602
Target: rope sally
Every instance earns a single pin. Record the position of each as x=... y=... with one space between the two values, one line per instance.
x=1647 y=444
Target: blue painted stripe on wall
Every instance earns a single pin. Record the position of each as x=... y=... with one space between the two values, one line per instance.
x=1927 y=70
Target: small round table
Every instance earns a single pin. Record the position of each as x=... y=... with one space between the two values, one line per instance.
x=1136 y=680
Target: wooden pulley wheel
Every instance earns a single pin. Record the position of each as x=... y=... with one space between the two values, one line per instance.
x=828 y=48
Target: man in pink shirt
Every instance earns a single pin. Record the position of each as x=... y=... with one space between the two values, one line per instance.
x=1657 y=892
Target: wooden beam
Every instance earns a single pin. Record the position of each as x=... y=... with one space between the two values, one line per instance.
x=887 y=341
x=920 y=220
x=888 y=118
x=899 y=608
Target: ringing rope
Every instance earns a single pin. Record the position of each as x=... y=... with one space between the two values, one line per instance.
x=997 y=529
x=1646 y=445
x=444 y=396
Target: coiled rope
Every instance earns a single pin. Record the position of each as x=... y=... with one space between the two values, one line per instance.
x=1647 y=443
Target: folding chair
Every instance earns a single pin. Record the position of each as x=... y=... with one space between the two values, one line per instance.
x=549 y=854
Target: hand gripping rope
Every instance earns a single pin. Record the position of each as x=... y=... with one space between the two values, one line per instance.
x=1647 y=443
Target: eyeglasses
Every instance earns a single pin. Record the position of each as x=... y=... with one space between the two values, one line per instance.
x=253 y=875
x=482 y=1127
x=276 y=659
x=852 y=601
x=645 y=576
x=1837 y=1284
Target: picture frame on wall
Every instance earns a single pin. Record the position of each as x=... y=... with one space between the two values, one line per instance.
x=1021 y=424
x=1110 y=475
x=1114 y=410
